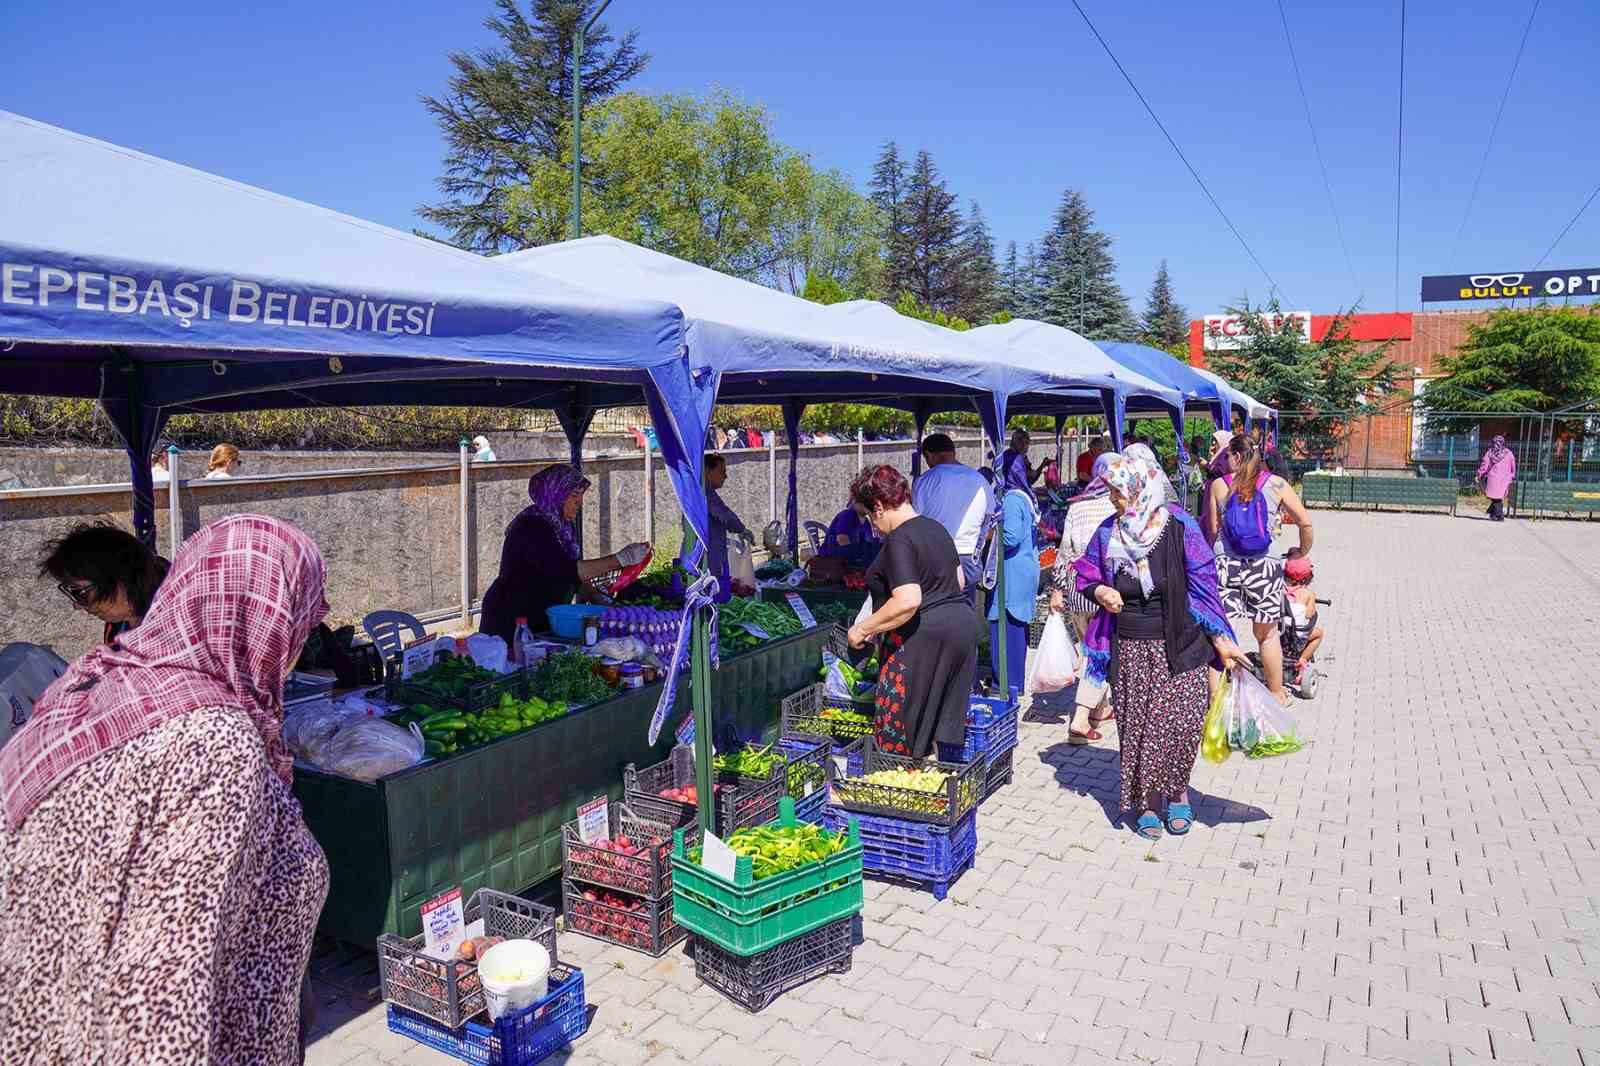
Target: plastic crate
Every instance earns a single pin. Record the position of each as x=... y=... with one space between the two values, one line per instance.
x=962 y=789
x=997 y=773
x=754 y=981
x=476 y=697
x=530 y=1036
x=1041 y=615
x=809 y=768
x=991 y=729
x=738 y=802
x=448 y=992
x=812 y=809
x=647 y=926
x=934 y=855
x=647 y=874
x=802 y=714
x=745 y=916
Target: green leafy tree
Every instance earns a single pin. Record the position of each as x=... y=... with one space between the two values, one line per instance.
x=703 y=179
x=508 y=107
x=823 y=289
x=1165 y=322
x=980 y=290
x=1077 y=275
x=1543 y=359
x=1326 y=383
x=933 y=238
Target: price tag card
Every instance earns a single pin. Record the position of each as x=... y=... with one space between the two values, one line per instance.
x=755 y=630
x=841 y=766
x=801 y=611
x=443 y=924
x=417 y=657
x=718 y=857
x=594 y=821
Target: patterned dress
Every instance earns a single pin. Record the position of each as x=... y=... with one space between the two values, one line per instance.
x=157 y=907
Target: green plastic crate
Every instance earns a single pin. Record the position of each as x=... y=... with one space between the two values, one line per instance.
x=745 y=916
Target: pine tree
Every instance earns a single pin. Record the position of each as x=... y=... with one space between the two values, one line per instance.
x=888 y=191
x=933 y=238
x=980 y=290
x=1165 y=321
x=1078 y=275
x=1011 y=281
x=506 y=107
x=1030 y=301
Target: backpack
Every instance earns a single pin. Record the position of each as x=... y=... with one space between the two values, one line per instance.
x=1244 y=525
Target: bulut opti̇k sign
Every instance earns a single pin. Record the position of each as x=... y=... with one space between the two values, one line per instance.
x=1530 y=284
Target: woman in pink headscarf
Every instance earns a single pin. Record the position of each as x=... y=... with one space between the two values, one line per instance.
x=1497 y=471
x=158 y=888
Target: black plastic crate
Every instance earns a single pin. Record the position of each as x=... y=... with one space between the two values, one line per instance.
x=647 y=873
x=476 y=697
x=997 y=773
x=805 y=712
x=810 y=767
x=963 y=787
x=633 y=922
x=754 y=981
x=738 y=802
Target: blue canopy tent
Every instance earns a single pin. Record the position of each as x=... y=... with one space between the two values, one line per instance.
x=155 y=288
x=766 y=346
x=1198 y=389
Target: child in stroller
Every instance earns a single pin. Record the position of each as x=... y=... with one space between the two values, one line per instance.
x=1298 y=630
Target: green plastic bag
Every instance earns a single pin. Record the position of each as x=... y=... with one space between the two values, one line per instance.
x=1214 y=740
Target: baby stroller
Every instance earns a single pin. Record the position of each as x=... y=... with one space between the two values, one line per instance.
x=1299 y=679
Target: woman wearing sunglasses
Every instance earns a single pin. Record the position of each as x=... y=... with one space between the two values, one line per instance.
x=106 y=572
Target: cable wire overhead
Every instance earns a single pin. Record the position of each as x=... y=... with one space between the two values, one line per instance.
x=1494 y=128
x=1316 y=147
x=1185 y=159
x=1567 y=228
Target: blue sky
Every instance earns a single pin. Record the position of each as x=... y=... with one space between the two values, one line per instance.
x=1014 y=100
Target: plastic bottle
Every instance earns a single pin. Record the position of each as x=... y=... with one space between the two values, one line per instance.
x=522 y=645
x=591 y=631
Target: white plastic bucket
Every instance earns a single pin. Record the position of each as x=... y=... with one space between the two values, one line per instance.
x=514 y=974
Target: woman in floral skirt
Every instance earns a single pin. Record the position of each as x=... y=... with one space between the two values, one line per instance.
x=1159 y=624
x=929 y=654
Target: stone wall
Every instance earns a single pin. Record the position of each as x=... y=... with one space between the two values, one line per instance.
x=391 y=535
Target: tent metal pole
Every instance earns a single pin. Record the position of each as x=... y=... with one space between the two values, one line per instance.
x=649 y=497
x=772 y=476
x=466 y=532
x=174 y=505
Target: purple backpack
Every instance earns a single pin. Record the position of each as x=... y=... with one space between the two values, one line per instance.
x=1244 y=525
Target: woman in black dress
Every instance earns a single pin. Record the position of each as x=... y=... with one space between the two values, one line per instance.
x=929 y=654
x=539 y=563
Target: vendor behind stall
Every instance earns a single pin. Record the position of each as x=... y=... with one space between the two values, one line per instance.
x=106 y=572
x=540 y=563
x=723 y=520
x=851 y=536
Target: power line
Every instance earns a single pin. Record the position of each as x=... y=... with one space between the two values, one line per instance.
x=1399 y=153
x=1316 y=146
x=1493 y=129
x=1162 y=127
x=1567 y=228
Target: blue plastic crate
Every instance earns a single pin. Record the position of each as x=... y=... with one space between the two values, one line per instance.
x=530 y=1036
x=997 y=773
x=812 y=809
x=934 y=855
x=991 y=729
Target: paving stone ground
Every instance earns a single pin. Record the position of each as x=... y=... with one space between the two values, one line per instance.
x=1421 y=885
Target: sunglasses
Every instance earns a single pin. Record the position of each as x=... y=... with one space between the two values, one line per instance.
x=82 y=595
x=1484 y=281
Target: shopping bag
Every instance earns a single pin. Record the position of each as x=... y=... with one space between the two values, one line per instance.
x=1055 y=663
x=1257 y=723
x=1214 y=739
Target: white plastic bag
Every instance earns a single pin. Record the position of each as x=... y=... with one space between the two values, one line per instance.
x=1055 y=663
x=489 y=652
x=1258 y=724
x=369 y=748
x=741 y=562
x=309 y=729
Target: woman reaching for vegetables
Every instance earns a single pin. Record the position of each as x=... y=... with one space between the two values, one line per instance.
x=158 y=889
x=1160 y=621
x=929 y=656
x=540 y=565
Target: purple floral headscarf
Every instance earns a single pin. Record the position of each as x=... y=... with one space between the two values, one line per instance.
x=549 y=489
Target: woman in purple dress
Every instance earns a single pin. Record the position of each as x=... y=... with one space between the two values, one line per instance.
x=1497 y=471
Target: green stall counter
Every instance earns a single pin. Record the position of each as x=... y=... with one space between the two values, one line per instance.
x=814 y=594
x=491 y=817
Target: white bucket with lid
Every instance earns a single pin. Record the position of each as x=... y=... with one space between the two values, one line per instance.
x=515 y=974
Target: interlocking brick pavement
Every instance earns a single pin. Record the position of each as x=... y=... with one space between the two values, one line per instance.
x=1417 y=886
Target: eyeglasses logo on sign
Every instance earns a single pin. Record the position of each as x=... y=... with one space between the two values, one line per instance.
x=1527 y=284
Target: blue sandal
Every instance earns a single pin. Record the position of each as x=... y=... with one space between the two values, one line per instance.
x=1148 y=826
x=1179 y=812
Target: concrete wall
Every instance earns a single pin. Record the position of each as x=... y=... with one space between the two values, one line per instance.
x=391 y=536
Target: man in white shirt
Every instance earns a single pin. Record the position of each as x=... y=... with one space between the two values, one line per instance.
x=958 y=498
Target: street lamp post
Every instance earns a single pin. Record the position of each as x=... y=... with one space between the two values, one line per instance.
x=577 y=117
